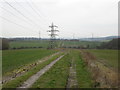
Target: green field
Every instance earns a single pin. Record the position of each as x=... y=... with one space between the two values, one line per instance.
x=83 y=75
x=110 y=57
x=0 y=68
x=82 y=43
x=18 y=44
x=19 y=80
x=45 y=43
x=13 y=59
x=56 y=77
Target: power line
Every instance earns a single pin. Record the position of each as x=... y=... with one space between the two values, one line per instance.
x=35 y=10
x=20 y=13
x=23 y=7
x=16 y=23
x=14 y=14
x=45 y=18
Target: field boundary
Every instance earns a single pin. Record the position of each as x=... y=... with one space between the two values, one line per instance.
x=103 y=76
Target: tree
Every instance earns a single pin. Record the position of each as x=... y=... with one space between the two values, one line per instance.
x=5 y=44
x=113 y=44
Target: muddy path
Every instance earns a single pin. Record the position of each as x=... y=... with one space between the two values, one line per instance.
x=20 y=71
x=103 y=76
x=28 y=83
x=72 y=79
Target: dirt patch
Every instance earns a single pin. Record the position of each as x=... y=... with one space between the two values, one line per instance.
x=72 y=79
x=103 y=76
x=20 y=71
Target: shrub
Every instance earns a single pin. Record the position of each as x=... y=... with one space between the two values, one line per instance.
x=5 y=44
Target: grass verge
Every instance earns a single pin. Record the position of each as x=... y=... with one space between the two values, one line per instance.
x=110 y=57
x=83 y=75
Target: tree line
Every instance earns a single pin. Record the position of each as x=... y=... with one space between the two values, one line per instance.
x=113 y=44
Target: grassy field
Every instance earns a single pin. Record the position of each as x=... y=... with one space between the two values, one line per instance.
x=82 y=43
x=18 y=44
x=45 y=43
x=19 y=80
x=0 y=68
x=110 y=57
x=56 y=77
x=83 y=75
x=13 y=59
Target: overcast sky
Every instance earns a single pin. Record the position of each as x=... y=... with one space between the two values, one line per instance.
x=78 y=18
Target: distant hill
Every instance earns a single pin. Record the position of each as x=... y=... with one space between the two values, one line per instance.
x=100 y=38
x=81 y=39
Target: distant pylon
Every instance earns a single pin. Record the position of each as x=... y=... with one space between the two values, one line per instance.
x=52 y=35
x=92 y=36
x=39 y=35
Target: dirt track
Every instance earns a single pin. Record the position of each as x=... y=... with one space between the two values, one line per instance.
x=19 y=72
x=72 y=79
x=28 y=83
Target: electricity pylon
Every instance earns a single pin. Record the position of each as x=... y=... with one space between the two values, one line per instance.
x=39 y=35
x=52 y=35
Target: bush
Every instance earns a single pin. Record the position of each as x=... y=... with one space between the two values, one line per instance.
x=113 y=44
x=0 y=43
x=5 y=44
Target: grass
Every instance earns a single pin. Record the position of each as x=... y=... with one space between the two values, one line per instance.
x=19 y=80
x=0 y=69
x=83 y=75
x=56 y=77
x=12 y=59
x=31 y=43
x=45 y=43
x=110 y=57
x=82 y=43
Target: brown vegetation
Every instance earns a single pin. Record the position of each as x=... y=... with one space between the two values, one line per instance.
x=103 y=76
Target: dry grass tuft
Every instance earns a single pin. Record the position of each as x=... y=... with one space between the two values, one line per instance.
x=103 y=76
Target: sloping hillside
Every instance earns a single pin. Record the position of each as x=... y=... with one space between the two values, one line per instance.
x=113 y=44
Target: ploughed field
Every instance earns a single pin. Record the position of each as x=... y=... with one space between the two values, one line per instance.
x=61 y=68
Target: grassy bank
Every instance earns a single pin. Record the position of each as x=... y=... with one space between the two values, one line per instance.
x=110 y=57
